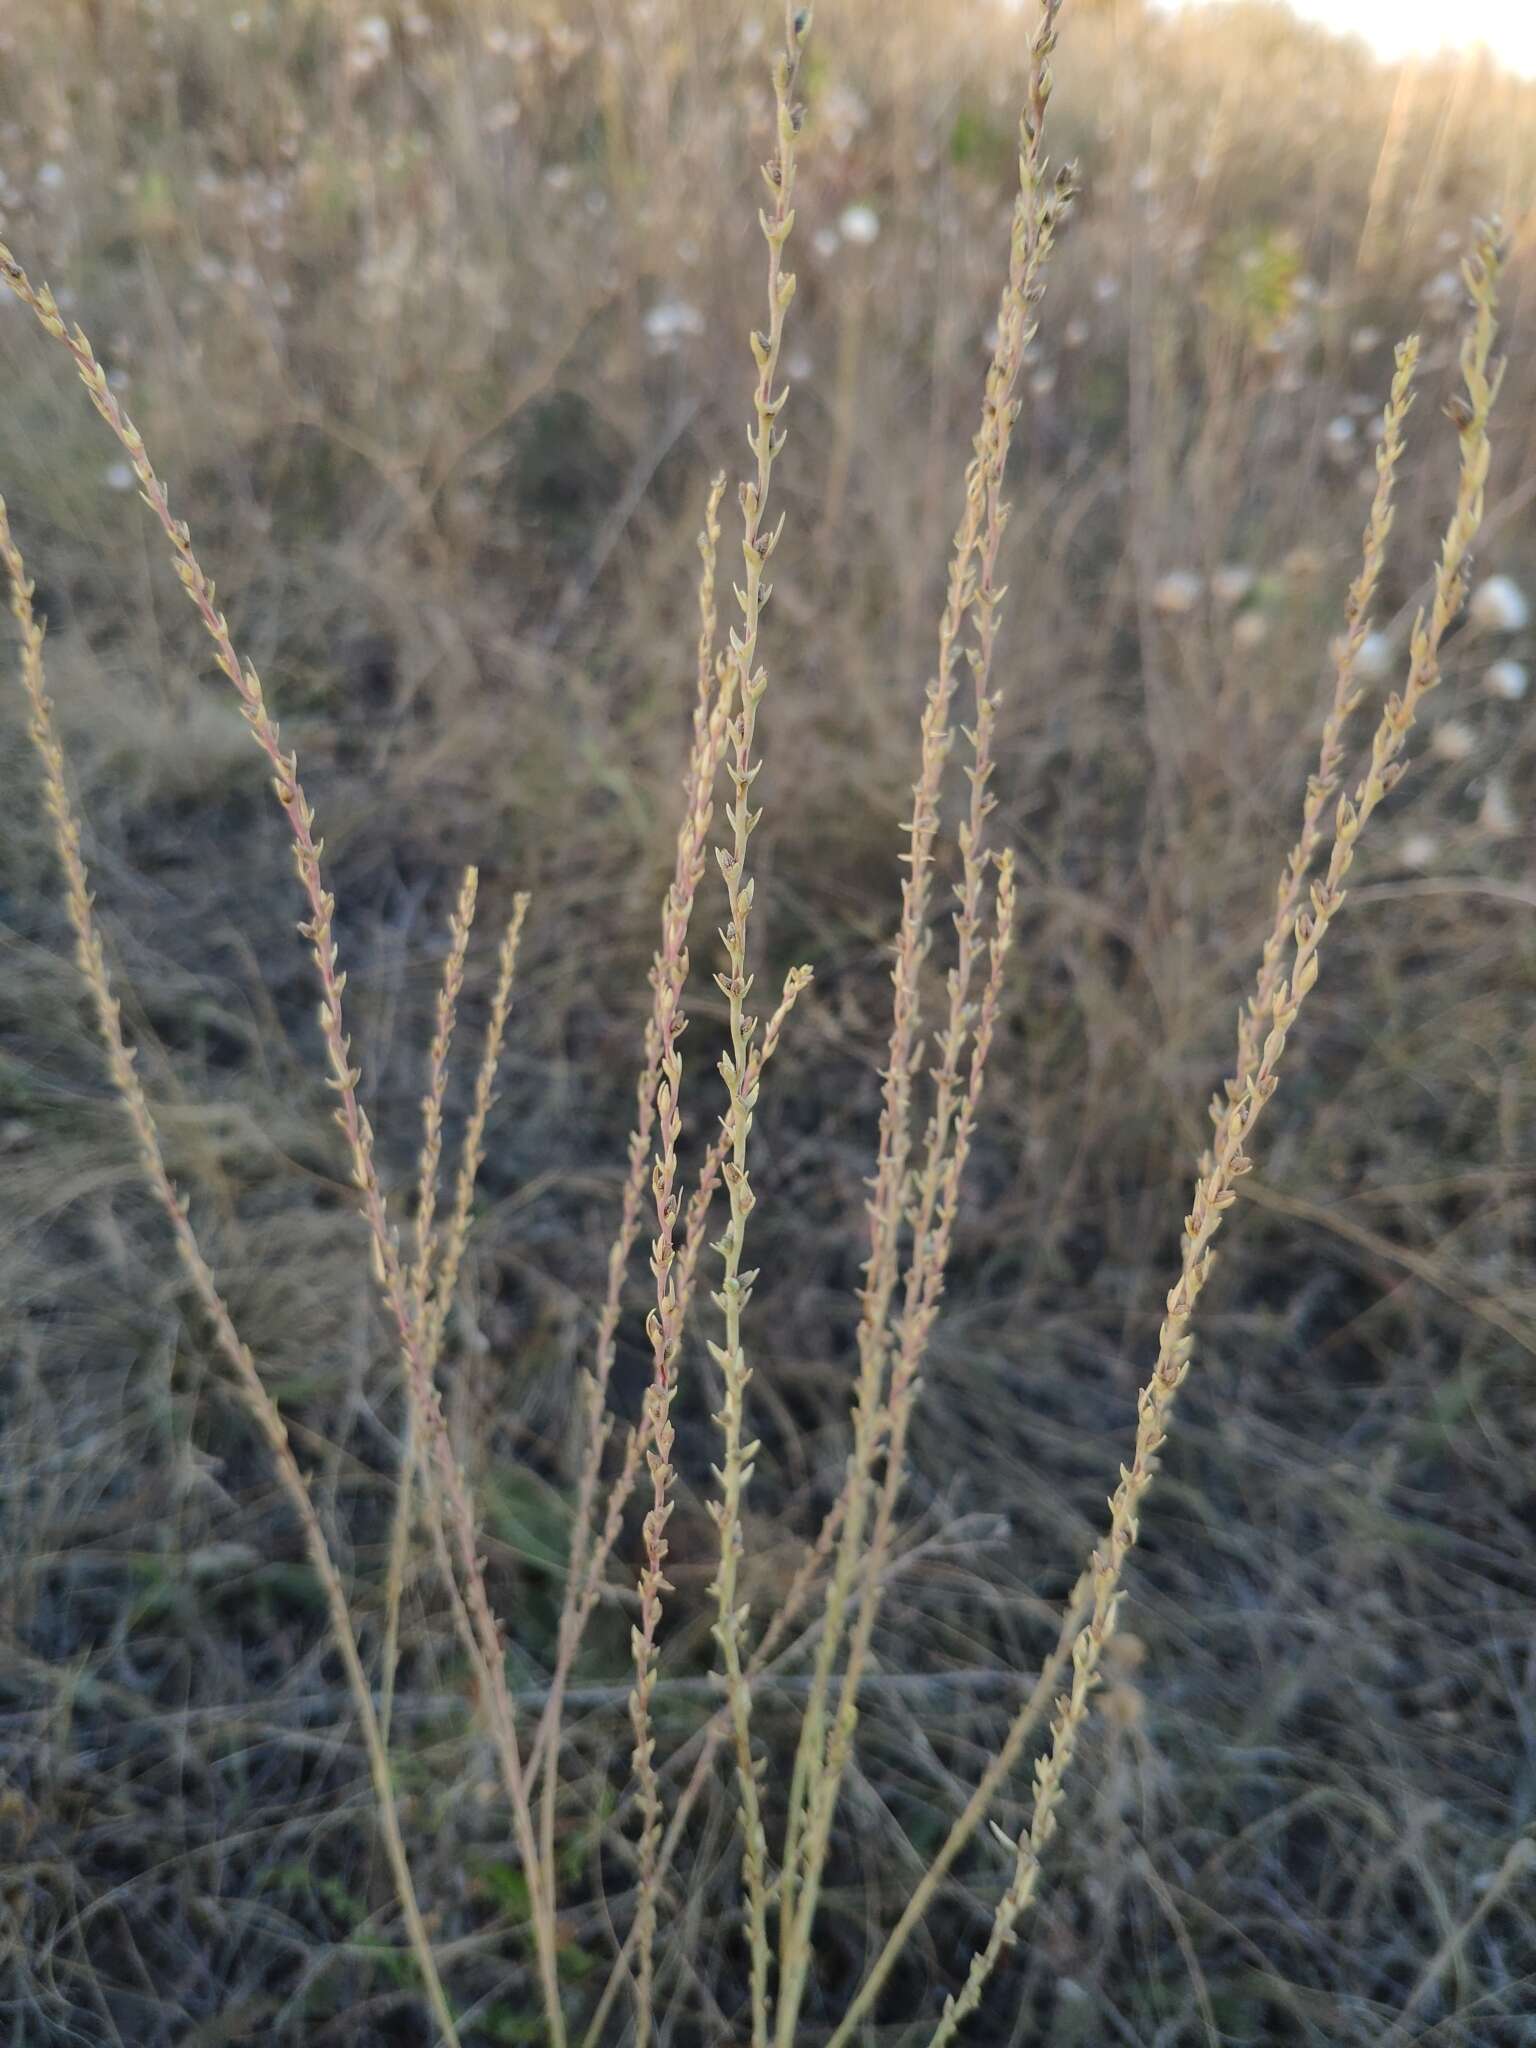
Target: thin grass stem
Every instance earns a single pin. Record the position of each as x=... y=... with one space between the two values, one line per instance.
x=319 y=930
x=429 y=1157
x=1216 y=1189
x=881 y=1416
x=758 y=544
x=90 y=956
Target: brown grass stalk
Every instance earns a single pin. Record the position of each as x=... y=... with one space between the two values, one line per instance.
x=345 y=1077
x=454 y=1238
x=440 y=1256
x=669 y=976
x=736 y=1066
x=1323 y=783
x=926 y=1281
x=460 y=926
x=444 y=1284
x=90 y=956
x=696 y=1223
x=702 y=1747
x=1216 y=1189
x=592 y=1546
x=710 y=711
x=881 y=1416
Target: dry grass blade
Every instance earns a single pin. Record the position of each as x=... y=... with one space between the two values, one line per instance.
x=457 y=1502
x=440 y=1254
x=669 y=975
x=711 y=709
x=460 y=926
x=656 y=1096
x=92 y=961
x=1324 y=782
x=1216 y=1190
x=455 y=1237
x=752 y=1808
x=882 y=1414
x=737 y=1066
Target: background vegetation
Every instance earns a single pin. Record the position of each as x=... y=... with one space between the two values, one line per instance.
x=434 y=319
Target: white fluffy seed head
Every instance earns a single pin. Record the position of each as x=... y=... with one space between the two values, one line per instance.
x=1177 y=593
x=1499 y=605
x=1508 y=679
x=1453 y=739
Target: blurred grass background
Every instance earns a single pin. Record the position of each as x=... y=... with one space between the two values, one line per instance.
x=434 y=317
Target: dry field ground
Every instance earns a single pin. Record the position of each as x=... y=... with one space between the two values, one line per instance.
x=434 y=317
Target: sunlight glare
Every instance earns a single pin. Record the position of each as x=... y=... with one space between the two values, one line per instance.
x=1424 y=28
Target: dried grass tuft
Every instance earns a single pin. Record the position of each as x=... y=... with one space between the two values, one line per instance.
x=932 y=1110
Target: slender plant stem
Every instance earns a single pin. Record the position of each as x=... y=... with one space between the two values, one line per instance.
x=1323 y=784
x=454 y=1238
x=882 y=1418
x=91 y=959
x=697 y=1219
x=657 y=1108
x=922 y=1308
x=1230 y=1159
x=319 y=929
x=737 y=1067
x=448 y=993
x=711 y=708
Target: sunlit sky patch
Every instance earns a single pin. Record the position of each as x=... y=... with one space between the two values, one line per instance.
x=1403 y=28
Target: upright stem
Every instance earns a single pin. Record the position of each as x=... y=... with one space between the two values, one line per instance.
x=454 y=1498
x=585 y=1570
x=1216 y=1188
x=664 y=1325
x=592 y=1545
x=426 y=1243
x=91 y=958
x=1037 y=208
x=737 y=1067
x=1324 y=781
